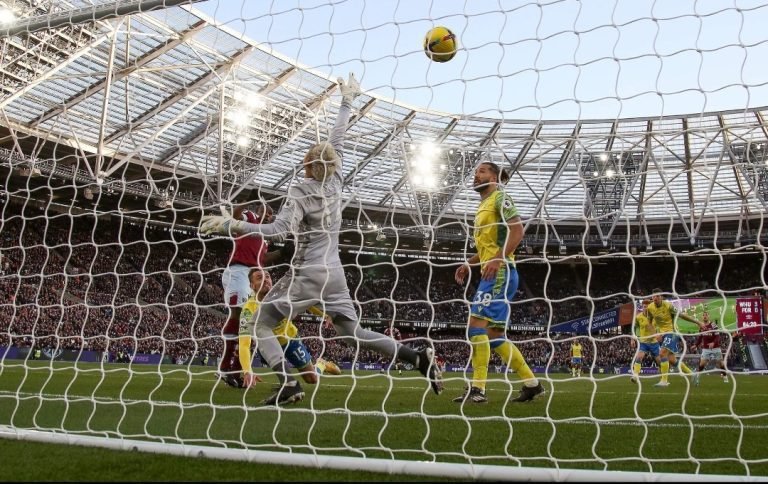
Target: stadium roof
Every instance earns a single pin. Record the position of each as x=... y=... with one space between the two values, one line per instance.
x=171 y=91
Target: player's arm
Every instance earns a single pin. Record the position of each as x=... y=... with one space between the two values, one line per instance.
x=464 y=269
x=272 y=257
x=286 y=222
x=349 y=91
x=508 y=214
x=244 y=340
x=690 y=319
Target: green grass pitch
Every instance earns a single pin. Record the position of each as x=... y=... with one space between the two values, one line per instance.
x=601 y=423
x=722 y=310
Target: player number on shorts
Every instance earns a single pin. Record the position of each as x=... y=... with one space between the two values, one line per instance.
x=483 y=298
x=299 y=353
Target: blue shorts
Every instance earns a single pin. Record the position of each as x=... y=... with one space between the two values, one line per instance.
x=576 y=361
x=671 y=341
x=491 y=301
x=650 y=349
x=297 y=354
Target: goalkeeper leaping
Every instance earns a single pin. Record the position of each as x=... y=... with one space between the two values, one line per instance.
x=312 y=211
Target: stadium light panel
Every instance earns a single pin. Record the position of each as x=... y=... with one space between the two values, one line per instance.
x=430 y=150
x=239 y=117
x=255 y=102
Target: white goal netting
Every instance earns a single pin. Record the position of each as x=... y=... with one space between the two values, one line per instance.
x=634 y=138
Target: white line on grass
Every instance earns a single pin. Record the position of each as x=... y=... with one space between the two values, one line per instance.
x=569 y=421
x=630 y=388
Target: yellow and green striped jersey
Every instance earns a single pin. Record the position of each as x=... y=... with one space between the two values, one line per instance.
x=491 y=225
x=663 y=317
x=646 y=331
x=576 y=350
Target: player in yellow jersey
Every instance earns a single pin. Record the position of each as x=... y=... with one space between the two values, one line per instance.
x=498 y=232
x=648 y=342
x=286 y=332
x=663 y=315
x=576 y=359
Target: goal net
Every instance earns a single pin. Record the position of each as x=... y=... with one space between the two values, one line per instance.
x=634 y=141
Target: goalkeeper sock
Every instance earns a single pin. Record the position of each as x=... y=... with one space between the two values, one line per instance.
x=481 y=355
x=684 y=368
x=636 y=369
x=512 y=357
x=664 y=369
x=285 y=378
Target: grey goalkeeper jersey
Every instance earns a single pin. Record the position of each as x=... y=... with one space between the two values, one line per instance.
x=312 y=211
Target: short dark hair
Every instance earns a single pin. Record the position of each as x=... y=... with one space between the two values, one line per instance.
x=253 y=271
x=656 y=290
x=502 y=175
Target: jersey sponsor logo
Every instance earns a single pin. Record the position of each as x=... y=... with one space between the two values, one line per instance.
x=245 y=315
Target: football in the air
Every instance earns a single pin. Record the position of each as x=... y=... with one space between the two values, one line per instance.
x=440 y=44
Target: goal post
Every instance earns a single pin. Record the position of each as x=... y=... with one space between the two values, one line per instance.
x=628 y=142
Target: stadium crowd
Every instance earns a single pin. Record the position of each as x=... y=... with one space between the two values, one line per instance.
x=131 y=289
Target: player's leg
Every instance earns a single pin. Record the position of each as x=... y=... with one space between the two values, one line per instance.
x=278 y=306
x=703 y=360
x=721 y=364
x=510 y=354
x=348 y=328
x=637 y=366
x=298 y=355
x=326 y=367
x=236 y=291
x=336 y=303
x=490 y=309
x=480 y=356
x=664 y=357
x=684 y=369
x=269 y=317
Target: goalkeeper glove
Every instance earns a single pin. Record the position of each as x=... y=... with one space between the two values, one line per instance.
x=218 y=224
x=350 y=89
x=287 y=250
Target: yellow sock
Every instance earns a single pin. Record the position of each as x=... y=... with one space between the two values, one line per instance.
x=636 y=369
x=664 y=370
x=684 y=368
x=514 y=359
x=481 y=354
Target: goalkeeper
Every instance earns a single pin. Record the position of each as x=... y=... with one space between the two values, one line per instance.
x=286 y=332
x=312 y=212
